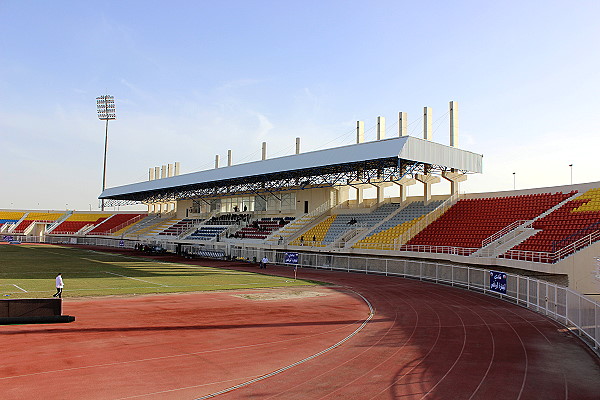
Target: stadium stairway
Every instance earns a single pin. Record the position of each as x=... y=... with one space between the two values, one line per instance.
x=59 y=221
x=296 y=228
x=16 y=224
x=9 y=219
x=151 y=223
x=470 y=221
x=511 y=236
x=570 y=228
x=384 y=234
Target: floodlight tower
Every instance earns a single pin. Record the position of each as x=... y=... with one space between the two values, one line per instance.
x=106 y=111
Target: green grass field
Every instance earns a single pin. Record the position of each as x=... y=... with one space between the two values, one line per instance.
x=28 y=271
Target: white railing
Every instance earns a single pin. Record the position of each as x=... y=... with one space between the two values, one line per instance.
x=425 y=221
x=121 y=226
x=547 y=257
x=504 y=231
x=580 y=313
x=459 y=251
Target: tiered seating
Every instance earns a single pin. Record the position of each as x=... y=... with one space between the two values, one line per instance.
x=315 y=235
x=228 y=219
x=10 y=217
x=346 y=222
x=470 y=221
x=180 y=227
x=76 y=221
x=151 y=227
x=206 y=233
x=262 y=228
x=386 y=233
x=290 y=229
x=32 y=217
x=571 y=222
x=115 y=222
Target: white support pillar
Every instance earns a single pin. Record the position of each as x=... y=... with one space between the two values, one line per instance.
x=454 y=178
x=453 y=124
x=359 y=195
x=151 y=174
x=427 y=181
x=404 y=183
x=156 y=172
x=163 y=172
x=177 y=168
x=427 y=116
x=264 y=150
x=217 y=161
x=402 y=123
x=297 y=145
x=380 y=128
x=360 y=131
x=380 y=193
x=169 y=170
x=229 y=158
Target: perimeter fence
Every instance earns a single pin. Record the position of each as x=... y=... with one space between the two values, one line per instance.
x=578 y=313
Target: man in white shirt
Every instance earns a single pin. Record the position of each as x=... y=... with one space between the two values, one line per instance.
x=264 y=262
x=59 y=286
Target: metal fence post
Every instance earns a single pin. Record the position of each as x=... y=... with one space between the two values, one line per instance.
x=528 y=292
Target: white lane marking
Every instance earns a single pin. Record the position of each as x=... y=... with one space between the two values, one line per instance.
x=135 y=279
x=280 y=370
x=20 y=288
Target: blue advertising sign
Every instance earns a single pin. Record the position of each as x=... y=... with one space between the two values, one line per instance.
x=498 y=282
x=291 y=258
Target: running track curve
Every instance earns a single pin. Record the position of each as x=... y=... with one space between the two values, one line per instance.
x=422 y=341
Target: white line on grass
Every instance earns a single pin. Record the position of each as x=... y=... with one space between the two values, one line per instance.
x=135 y=279
x=20 y=288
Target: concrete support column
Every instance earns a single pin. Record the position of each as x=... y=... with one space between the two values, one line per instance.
x=264 y=150
x=170 y=170
x=163 y=172
x=404 y=183
x=229 y=158
x=156 y=172
x=427 y=181
x=380 y=128
x=455 y=178
x=359 y=195
x=427 y=116
x=177 y=168
x=360 y=131
x=297 y=145
x=151 y=174
x=453 y=124
x=380 y=193
x=217 y=161
x=402 y=124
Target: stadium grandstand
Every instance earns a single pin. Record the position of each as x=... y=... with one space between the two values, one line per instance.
x=314 y=201
x=314 y=204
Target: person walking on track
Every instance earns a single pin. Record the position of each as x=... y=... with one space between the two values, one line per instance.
x=59 y=286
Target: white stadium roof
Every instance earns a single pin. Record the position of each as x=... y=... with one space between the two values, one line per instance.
x=405 y=148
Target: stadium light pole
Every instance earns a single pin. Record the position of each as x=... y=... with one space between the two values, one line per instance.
x=106 y=112
x=571 y=166
x=514 y=180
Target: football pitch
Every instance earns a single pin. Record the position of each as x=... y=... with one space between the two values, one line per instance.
x=28 y=271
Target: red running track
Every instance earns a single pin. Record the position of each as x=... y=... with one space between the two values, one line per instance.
x=424 y=341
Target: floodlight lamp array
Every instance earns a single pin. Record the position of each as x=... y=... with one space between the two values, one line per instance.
x=106 y=107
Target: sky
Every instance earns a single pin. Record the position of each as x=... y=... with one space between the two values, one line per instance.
x=192 y=79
